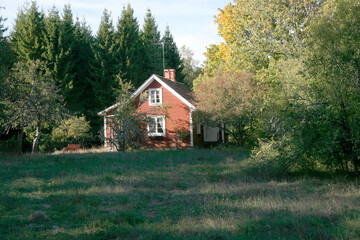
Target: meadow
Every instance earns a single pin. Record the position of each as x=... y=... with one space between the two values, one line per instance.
x=175 y=194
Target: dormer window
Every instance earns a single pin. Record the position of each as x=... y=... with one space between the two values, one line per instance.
x=155 y=96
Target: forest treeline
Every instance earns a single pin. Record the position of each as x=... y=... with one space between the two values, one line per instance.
x=52 y=65
x=286 y=82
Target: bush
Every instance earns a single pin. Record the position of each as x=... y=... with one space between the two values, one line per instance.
x=275 y=157
x=75 y=130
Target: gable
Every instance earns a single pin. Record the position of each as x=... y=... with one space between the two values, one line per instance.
x=178 y=89
x=181 y=91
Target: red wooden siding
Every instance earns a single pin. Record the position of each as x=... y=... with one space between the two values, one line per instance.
x=177 y=117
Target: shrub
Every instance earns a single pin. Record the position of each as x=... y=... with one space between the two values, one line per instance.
x=275 y=157
x=74 y=130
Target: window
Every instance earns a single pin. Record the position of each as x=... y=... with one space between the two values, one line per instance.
x=156 y=126
x=211 y=134
x=155 y=96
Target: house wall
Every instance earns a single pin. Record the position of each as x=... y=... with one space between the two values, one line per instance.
x=177 y=117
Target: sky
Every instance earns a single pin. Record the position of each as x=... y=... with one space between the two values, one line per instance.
x=191 y=22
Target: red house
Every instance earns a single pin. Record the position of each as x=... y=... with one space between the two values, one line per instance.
x=165 y=129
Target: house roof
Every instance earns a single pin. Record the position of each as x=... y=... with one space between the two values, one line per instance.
x=178 y=89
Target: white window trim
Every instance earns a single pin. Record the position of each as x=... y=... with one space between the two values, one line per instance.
x=164 y=127
x=150 y=94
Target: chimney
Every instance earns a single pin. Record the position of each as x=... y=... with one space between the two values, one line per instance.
x=170 y=74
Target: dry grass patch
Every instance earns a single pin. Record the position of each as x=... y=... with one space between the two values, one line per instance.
x=187 y=194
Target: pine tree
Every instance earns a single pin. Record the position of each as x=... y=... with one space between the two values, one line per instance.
x=151 y=41
x=28 y=37
x=129 y=48
x=172 y=55
x=103 y=67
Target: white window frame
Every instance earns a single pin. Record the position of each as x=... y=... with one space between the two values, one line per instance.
x=156 y=133
x=151 y=92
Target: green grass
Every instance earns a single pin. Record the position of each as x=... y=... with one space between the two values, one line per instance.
x=188 y=194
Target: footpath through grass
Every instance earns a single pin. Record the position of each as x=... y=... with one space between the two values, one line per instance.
x=188 y=194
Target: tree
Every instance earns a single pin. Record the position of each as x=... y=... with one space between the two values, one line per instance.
x=127 y=124
x=191 y=70
x=233 y=104
x=32 y=99
x=333 y=62
x=104 y=67
x=65 y=65
x=28 y=37
x=71 y=130
x=81 y=95
x=7 y=58
x=172 y=55
x=52 y=44
x=256 y=31
x=129 y=48
x=151 y=40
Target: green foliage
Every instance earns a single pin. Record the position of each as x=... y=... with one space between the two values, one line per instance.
x=7 y=59
x=151 y=40
x=127 y=125
x=103 y=68
x=52 y=26
x=191 y=70
x=32 y=99
x=75 y=130
x=172 y=55
x=228 y=98
x=182 y=134
x=256 y=31
x=275 y=157
x=28 y=37
x=129 y=49
x=333 y=62
x=81 y=98
x=304 y=63
x=85 y=67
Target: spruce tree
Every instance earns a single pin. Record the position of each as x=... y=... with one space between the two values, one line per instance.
x=152 y=46
x=81 y=99
x=104 y=65
x=28 y=37
x=129 y=48
x=65 y=64
x=7 y=58
x=172 y=55
x=52 y=26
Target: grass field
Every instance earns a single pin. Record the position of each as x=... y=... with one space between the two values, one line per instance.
x=187 y=194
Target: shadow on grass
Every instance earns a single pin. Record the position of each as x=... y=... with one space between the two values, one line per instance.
x=191 y=194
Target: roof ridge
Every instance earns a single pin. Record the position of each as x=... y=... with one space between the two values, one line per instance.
x=173 y=81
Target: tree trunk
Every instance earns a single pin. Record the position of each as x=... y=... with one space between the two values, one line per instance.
x=20 y=140
x=35 y=146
